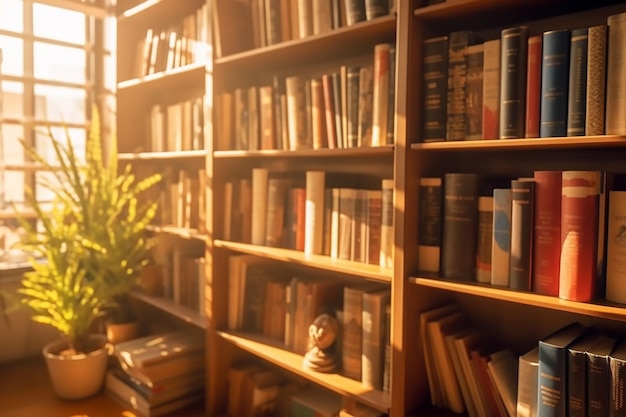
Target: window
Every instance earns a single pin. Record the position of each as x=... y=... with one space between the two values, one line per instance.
x=54 y=54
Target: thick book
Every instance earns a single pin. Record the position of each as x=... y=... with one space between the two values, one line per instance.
x=547 y=233
x=260 y=186
x=353 y=74
x=554 y=83
x=458 y=42
x=380 y=94
x=430 y=224
x=553 y=352
x=616 y=242
x=617 y=381
x=503 y=370
x=485 y=238
x=595 y=108
x=527 y=383
x=355 y=11
x=464 y=384
x=318 y=115
x=577 y=375
x=366 y=97
x=435 y=86
x=491 y=89
x=387 y=225
x=579 y=235
x=474 y=55
x=460 y=226
x=576 y=96
x=533 y=86
x=295 y=89
x=374 y=226
x=598 y=376
x=513 y=82
x=275 y=211
x=522 y=211
x=501 y=239
x=376 y=8
x=373 y=321
x=615 y=75
x=314 y=212
x=151 y=350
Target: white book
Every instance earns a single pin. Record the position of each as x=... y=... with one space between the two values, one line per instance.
x=501 y=244
x=314 y=213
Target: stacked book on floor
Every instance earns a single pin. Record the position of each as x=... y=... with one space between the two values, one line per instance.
x=158 y=374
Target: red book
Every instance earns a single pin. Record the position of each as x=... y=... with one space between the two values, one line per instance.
x=533 y=86
x=579 y=235
x=547 y=233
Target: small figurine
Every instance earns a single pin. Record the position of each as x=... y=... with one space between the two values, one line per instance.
x=322 y=334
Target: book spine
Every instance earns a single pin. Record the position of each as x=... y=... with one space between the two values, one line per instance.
x=457 y=83
x=273 y=22
x=267 y=125
x=522 y=205
x=373 y=319
x=366 y=84
x=547 y=233
x=598 y=378
x=380 y=95
x=513 y=82
x=318 y=113
x=485 y=234
x=359 y=239
x=435 y=86
x=329 y=110
x=259 y=205
x=596 y=80
x=355 y=11
x=616 y=248
x=579 y=204
x=616 y=76
x=376 y=8
x=374 y=224
x=275 y=212
x=554 y=83
x=322 y=16
x=352 y=107
x=314 y=212
x=576 y=383
x=533 y=86
x=474 y=92
x=577 y=83
x=460 y=226
x=386 y=228
x=352 y=332
x=527 y=389
x=305 y=18
x=296 y=112
x=617 y=390
x=391 y=105
x=501 y=244
x=430 y=224
x=491 y=89
x=346 y=217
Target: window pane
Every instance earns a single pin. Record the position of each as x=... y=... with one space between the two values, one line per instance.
x=60 y=104
x=59 y=63
x=13 y=99
x=59 y=24
x=44 y=147
x=12 y=55
x=13 y=155
x=11 y=15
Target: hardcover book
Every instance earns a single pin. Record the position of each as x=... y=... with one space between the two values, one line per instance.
x=554 y=83
x=513 y=82
x=435 y=85
x=501 y=240
x=430 y=224
x=522 y=204
x=577 y=93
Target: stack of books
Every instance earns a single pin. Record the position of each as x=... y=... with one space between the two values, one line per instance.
x=158 y=374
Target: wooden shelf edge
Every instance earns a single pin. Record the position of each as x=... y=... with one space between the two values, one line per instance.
x=373 y=272
x=606 y=311
x=292 y=362
x=153 y=79
x=179 y=231
x=161 y=156
x=168 y=306
x=523 y=143
x=386 y=150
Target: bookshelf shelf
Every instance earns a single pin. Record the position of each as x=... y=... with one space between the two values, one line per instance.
x=174 y=309
x=184 y=77
x=605 y=311
x=585 y=142
x=196 y=156
x=330 y=45
x=178 y=231
x=373 y=272
x=293 y=363
x=381 y=151
x=140 y=13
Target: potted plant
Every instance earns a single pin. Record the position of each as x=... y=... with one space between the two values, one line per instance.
x=86 y=253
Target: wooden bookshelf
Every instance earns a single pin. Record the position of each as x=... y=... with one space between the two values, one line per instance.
x=170 y=307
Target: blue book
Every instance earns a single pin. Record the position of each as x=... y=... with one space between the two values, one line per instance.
x=553 y=371
x=554 y=83
x=514 y=58
x=577 y=95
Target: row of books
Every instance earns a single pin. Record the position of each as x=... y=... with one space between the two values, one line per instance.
x=184 y=43
x=556 y=233
x=575 y=370
x=557 y=83
x=158 y=374
x=349 y=108
x=268 y=22
x=340 y=222
x=467 y=371
x=256 y=391
x=263 y=300
x=176 y=126
x=182 y=199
